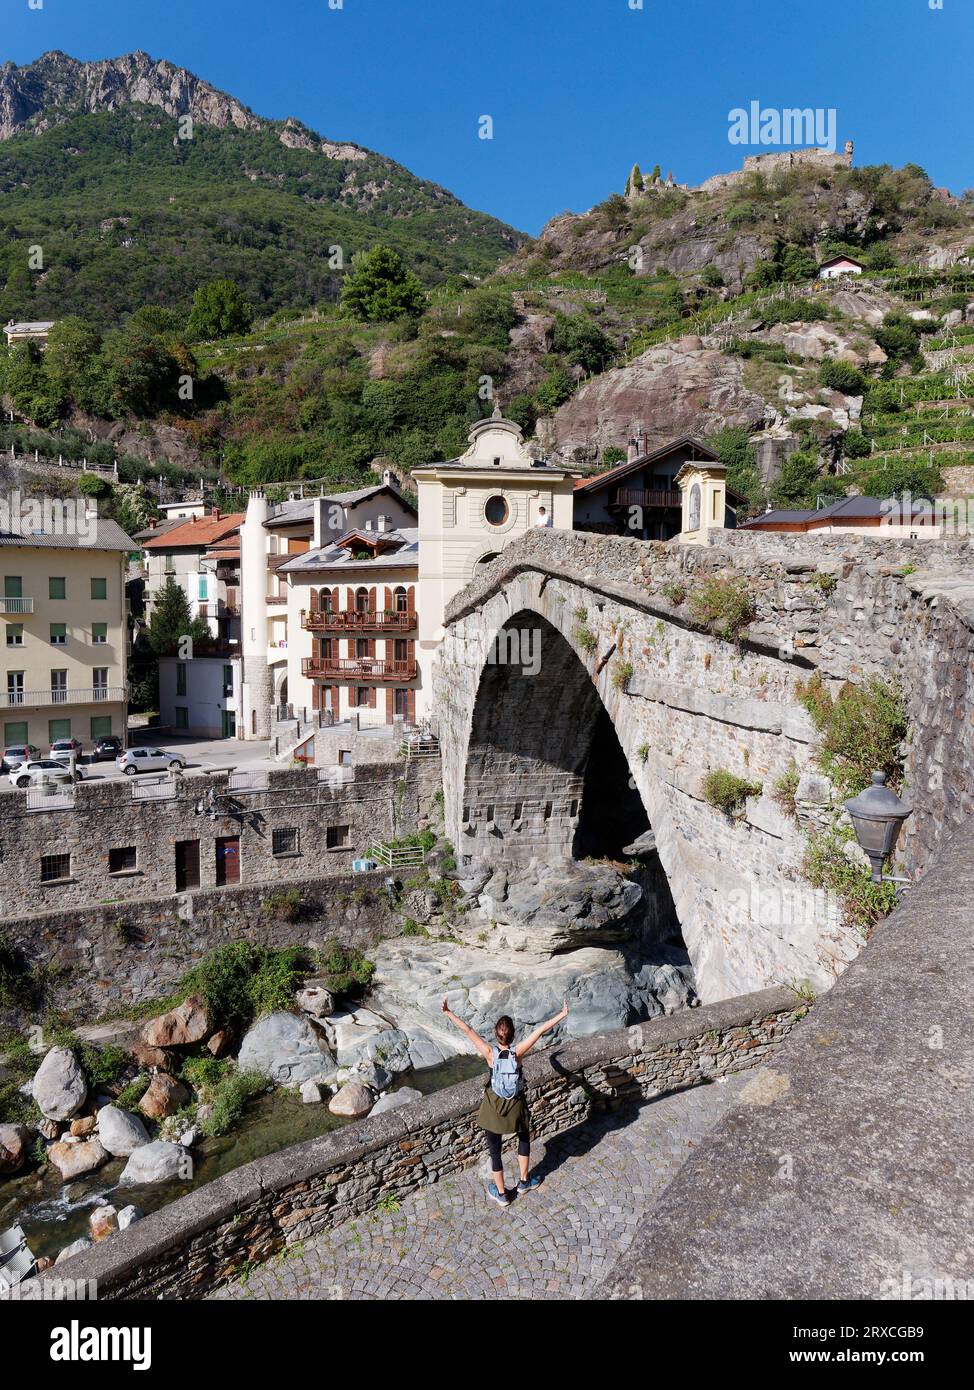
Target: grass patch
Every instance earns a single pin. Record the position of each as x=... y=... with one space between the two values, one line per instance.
x=783 y=791
x=826 y=865
x=723 y=606
x=346 y=970
x=727 y=792
x=860 y=730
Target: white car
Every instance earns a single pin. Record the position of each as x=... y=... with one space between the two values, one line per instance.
x=29 y=774
x=148 y=760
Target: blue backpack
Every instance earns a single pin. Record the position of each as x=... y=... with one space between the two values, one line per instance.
x=505 y=1073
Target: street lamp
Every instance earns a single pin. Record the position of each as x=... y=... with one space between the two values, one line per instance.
x=877 y=816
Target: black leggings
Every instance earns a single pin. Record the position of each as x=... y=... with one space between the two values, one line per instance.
x=494 y=1142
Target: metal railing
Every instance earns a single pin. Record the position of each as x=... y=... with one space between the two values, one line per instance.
x=154 y=789
x=317 y=620
x=56 y=796
x=420 y=748
x=99 y=694
x=256 y=779
x=398 y=856
x=16 y=605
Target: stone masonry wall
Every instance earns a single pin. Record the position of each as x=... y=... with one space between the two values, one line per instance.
x=694 y=703
x=210 y=1236
x=105 y=941
x=102 y=960
x=374 y=802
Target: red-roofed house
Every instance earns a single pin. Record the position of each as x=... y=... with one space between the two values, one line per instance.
x=202 y=555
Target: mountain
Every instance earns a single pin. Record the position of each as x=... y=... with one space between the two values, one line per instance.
x=94 y=169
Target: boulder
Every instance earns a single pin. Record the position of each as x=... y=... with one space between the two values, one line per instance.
x=81 y=1129
x=546 y=908
x=48 y=1129
x=75 y=1248
x=182 y=1026
x=103 y=1222
x=120 y=1132
x=219 y=1043
x=59 y=1086
x=164 y=1097
x=395 y=1100
x=75 y=1160
x=14 y=1147
x=353 y=1100
x=376 y=1078
x=361 y=1037
x=156 y=1162
x=315 y=998
x=286 y=1048
x=152 y=1058
x=311 y=1093
x=128 y=1216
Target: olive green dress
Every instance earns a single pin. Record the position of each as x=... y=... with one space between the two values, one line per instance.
x=501 y=1116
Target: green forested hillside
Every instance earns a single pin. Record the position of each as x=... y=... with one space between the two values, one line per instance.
x=126 y=214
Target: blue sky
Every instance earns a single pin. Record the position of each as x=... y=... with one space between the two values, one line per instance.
x=578 y=89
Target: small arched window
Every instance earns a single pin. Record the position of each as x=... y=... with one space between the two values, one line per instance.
x=361 y=600
x=401 y=600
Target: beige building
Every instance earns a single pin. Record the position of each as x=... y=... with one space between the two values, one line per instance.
x=65 y=635
x=352 y=620
x=35 y=332
x=273 y=642
x=470 y=509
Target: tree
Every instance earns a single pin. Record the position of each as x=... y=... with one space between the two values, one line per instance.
x=72 y=349
x=171 y=621
x=581 y=341
x=138 y=372
x=219 y=309
x=842 y=376
x=800 y=482
x=634 y=184
x=380 y=287
x=733 y=447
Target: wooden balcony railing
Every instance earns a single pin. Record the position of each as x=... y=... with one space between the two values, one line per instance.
x=647 y=497
x=359 y=668
x=379 y=621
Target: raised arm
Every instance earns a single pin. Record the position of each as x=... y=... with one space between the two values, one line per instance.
x=524 y=1048
x=482 y=1047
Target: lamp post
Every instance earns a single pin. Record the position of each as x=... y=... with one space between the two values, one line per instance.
x=877 y=816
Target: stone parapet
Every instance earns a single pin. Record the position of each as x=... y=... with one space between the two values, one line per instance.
x=212 y=1235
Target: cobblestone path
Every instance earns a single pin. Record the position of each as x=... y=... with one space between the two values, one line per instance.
x=448 y=1241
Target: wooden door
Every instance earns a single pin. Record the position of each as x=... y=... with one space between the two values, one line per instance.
x=227 y=860
x=187 y=865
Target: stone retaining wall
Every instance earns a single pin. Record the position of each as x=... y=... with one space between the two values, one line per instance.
x=210 y=1236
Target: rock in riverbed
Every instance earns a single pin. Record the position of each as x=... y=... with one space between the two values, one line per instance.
x=59 y=1086
x=287 y=1049
x=120 y=1132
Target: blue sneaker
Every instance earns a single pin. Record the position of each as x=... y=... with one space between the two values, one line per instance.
x=501 y=1198
x=528 y=1186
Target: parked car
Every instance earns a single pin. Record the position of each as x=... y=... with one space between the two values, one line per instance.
x=148 y=760
x=28 y=774
x=62 y=748
x=107 y=749
x=16 y=753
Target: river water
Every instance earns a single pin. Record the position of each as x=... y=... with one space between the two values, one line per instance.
x=53 y=1215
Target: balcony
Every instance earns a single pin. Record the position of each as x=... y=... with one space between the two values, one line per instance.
x=385 y=621
x=15 y=607
x=278 y=598
x=643 y=497
x=355 y=669
x=94 y=695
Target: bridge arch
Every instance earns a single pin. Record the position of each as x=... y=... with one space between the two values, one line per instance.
x=547 y=676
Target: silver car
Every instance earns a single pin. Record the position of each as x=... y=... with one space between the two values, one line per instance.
x=135 y=760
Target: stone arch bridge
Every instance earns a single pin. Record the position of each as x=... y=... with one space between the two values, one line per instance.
x=578 y=705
